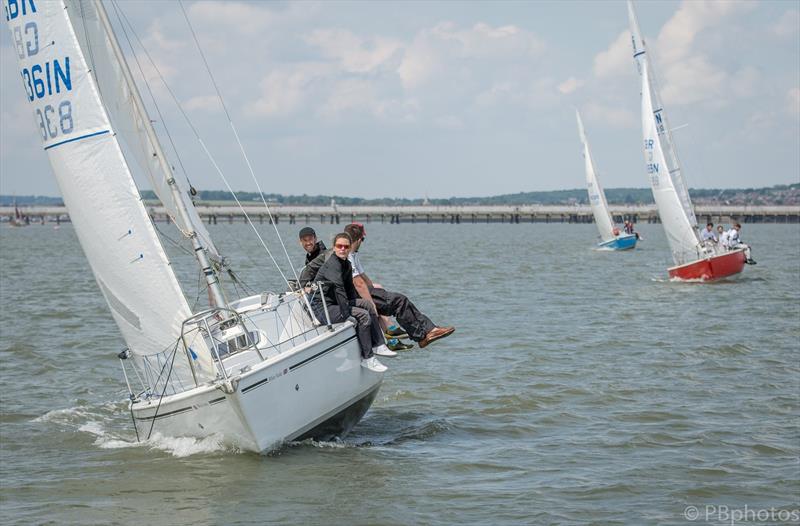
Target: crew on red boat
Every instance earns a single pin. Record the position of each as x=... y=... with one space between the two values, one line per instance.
x=708 y=236
x=735 y=243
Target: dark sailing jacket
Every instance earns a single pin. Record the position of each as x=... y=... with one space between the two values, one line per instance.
x=312 y=267
x=339 y=289
x=319 y=247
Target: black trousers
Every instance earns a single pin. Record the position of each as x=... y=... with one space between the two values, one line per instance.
x=408 y=316
x=368 y=328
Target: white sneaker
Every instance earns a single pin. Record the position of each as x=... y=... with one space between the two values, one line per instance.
x=373 y=365
x=382 y=350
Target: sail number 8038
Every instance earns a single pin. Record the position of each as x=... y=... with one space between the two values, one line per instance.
x=54 y=122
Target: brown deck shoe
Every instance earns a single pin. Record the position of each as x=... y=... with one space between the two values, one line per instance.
x=437 y=333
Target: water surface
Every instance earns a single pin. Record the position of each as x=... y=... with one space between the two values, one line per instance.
x=579 y=387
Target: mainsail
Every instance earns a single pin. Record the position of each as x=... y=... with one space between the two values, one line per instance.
x=106 y=210
x=681 y=234
x=673 y=165
x=597 y=198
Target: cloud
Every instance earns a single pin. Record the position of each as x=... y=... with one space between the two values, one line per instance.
x=289 y=89
x=788 y=25
x=614 y=116
x=449 y=122
x=207 y=103
x=685 y=67
x=353 y=53
x=447 y=48
x=569 y=85
x=532 y=94
x=359 y=96
x=250 y=19
x=616 y=59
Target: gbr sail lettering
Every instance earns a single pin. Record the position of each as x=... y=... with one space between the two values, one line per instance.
x=652 y=167
x=46 y=84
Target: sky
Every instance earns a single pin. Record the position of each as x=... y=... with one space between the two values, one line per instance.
x=442 y=99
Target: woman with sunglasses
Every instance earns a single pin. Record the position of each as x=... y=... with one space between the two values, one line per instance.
x=341 y=298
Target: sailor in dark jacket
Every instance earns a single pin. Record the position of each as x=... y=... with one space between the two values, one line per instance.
x=308 y=240
x=343 y=302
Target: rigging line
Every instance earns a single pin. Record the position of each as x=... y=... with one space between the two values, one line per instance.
x=205 y=149
x=121 y=16
x=238 y=140
x=246 y=215
x=177 y=244
x=163 y=391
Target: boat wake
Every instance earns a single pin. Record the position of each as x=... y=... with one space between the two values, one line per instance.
x=385 y=428
x=105 y=425
x=99 y=420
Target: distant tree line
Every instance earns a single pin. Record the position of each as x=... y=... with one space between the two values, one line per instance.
x=780 y=194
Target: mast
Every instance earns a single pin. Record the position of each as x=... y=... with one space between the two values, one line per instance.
x=199 y=250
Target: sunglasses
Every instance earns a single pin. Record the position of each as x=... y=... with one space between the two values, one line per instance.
x=339 y=245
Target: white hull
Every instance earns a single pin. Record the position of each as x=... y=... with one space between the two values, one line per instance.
x=317 y=389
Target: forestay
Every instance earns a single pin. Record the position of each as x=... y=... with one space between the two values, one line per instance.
x=110 y=220
x=681 y=234
x=597 y=197
x=672 y=163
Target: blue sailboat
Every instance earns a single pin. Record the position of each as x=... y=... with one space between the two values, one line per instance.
x=611 y=236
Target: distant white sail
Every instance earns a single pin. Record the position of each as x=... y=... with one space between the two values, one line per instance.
x=126 y=119
x=681 y=233
x=597 y=198
x=114 y=229
x=673 y=165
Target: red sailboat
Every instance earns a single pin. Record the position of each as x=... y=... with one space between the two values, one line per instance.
x=694 y=259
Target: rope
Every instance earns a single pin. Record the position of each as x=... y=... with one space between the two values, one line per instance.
x=189 y=122
x=121 y=16
x=163 y=391
x=244 y=153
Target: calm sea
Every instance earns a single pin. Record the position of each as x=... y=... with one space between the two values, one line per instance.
x=580 y=387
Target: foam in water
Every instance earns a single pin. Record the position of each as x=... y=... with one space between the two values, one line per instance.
x=98 y=422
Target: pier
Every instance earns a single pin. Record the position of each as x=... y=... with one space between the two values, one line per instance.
x=214 y=214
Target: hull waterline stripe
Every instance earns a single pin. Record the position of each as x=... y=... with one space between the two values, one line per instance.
x=77 y=138
x=164 y=415
x=298 y=364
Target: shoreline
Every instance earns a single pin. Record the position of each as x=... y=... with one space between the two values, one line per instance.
x=213 y=214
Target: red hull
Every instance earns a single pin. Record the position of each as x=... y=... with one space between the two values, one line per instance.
x=710 y=269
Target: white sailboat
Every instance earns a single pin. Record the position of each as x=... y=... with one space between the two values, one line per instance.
x=255 y=371
x=693 y=259
x=610 y=236
x=19 y=218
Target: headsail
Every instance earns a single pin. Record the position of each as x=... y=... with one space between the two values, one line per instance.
x=597 y=197
x=129 y=123
x=673 y=164
x=114 y=229
x=681 y=234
